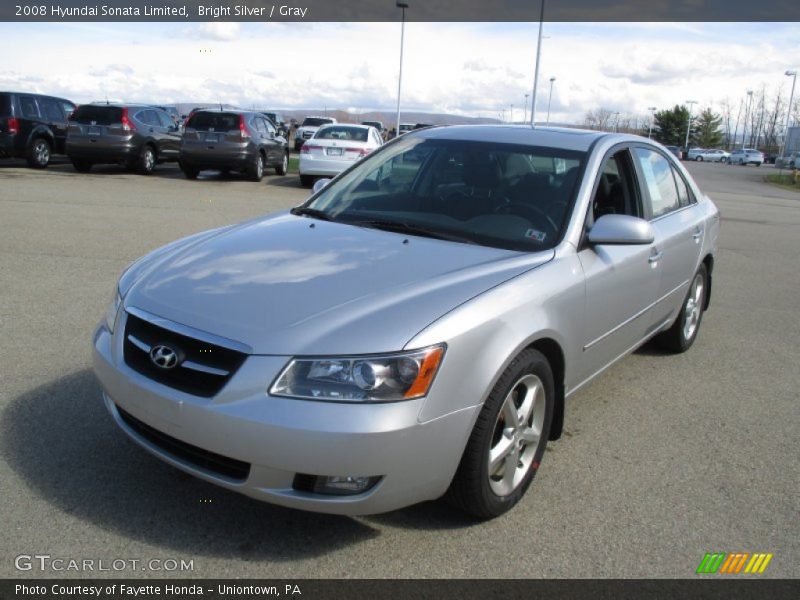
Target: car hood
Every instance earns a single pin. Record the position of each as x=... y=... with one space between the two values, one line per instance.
x=293 y=285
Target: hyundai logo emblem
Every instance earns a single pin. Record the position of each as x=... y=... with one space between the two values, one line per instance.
x=163 y=357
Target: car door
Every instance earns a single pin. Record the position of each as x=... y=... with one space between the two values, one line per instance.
x=620 y=281
x=170 y=138
x=53 y=115
x=678 y=224
x=272 y=143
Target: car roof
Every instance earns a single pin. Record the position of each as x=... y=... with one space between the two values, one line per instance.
x=558 y=137
x=352 y=125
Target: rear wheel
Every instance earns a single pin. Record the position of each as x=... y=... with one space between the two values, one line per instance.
x=283 y=168
x=509 y=438
x=699 y=159
x=306 y=180
x=39 y=153
x=682 y=334
x=190 y=172
x=255 y=171
x=81 y=165
x=147 y=160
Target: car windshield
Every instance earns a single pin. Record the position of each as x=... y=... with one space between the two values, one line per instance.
x=215 y=121
x=315 y=122
x=500 y=195
x=342 y=132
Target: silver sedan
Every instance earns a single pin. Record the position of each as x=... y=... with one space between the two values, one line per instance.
x=415 y=328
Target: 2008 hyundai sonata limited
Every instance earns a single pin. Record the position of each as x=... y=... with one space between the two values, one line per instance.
x=414 y=329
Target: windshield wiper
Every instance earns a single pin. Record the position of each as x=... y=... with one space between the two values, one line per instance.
x=411 y=229
x=314 y=213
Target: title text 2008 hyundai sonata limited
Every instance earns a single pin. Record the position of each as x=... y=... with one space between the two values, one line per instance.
x=414 y=328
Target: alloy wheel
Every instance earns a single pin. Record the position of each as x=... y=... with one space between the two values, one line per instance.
x=693 y=307
x=41 y=152
x=516 y=435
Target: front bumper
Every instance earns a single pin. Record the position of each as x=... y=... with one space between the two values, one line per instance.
x=281 y=437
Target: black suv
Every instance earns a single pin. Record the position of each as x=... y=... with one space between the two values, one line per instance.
x=232 y=140
x=135 y=135
x=33 y=126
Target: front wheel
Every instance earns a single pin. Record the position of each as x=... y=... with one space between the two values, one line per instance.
x=682 y=334
x=39 y=153
x=147 y=160
x=509 y=438
x=283 y=168
x=699 y=159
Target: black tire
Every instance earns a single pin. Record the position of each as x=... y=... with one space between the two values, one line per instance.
x=146 y=162
x=255 y=170
x=39 y=153
x=699 y=159
x=306 y=180
x=675 y=339
x=82 y=165
x=471 y=490
x=190 y=172
x=283 y=168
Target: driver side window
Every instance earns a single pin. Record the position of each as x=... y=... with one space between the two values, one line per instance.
x=615 y=193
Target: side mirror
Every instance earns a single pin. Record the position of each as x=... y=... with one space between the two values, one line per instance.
x=320 y=183
x=621 y=230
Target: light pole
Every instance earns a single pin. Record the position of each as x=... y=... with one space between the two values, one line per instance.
x=536 y=72
x=525 y=113
x=403 y=6
x=550 y=99
x=746 y=116
x=511 y=118
x=652 y=110
x=616 y=121
x=689 y=123
x=793 y=75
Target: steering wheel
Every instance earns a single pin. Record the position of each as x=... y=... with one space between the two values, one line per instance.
x=536 y=215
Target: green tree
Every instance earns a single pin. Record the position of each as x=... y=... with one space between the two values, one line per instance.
x=669 y=126
x=706 y=130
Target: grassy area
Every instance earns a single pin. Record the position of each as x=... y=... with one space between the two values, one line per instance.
x=294 y=162
x=783 y=180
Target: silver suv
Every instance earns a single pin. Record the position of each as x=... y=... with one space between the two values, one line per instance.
x=232 y=140
x=135 y=135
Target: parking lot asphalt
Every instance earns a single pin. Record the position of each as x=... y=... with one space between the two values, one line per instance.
x=664 y=457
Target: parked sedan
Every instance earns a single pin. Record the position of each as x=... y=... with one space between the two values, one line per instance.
x=710 y=155
x=136 y=135
x=232 y=140
x=746 y=156
x=414 y=329
x=334 y=148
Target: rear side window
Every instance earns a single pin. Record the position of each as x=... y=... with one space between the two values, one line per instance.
x=5 y=105
x=684 y=196
x=148 y=117
x=98 y=115
x=215 y=121
x=28 y=108
x=51 y=109
x=659 y=181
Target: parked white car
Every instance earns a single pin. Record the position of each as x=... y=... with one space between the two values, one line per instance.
x=710 y=155
x=308 y=128
x=334 y=148
x=746 y=156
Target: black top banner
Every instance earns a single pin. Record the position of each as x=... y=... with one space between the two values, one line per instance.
x=415 y=10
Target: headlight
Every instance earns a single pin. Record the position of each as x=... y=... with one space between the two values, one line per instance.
x=112 y=310
x=384 y=378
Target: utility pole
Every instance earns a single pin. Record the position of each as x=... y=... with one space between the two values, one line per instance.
x=536 y=72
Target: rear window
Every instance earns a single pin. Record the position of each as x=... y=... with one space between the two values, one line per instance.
x=215 y=121
x=5 y=105
x=337 y=132
x=99 y=115
x=315 y=122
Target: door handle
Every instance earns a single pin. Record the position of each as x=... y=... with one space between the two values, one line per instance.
x=698 y=233
x=655 y=256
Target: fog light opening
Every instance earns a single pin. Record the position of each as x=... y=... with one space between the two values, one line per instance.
x=334 y=485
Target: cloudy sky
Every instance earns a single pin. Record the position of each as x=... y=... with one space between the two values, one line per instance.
x=475 y=69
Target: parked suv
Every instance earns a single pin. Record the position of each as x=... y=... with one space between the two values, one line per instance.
x=33 y=126
x=234 y=140
x=135 y=135
x=308 y=128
